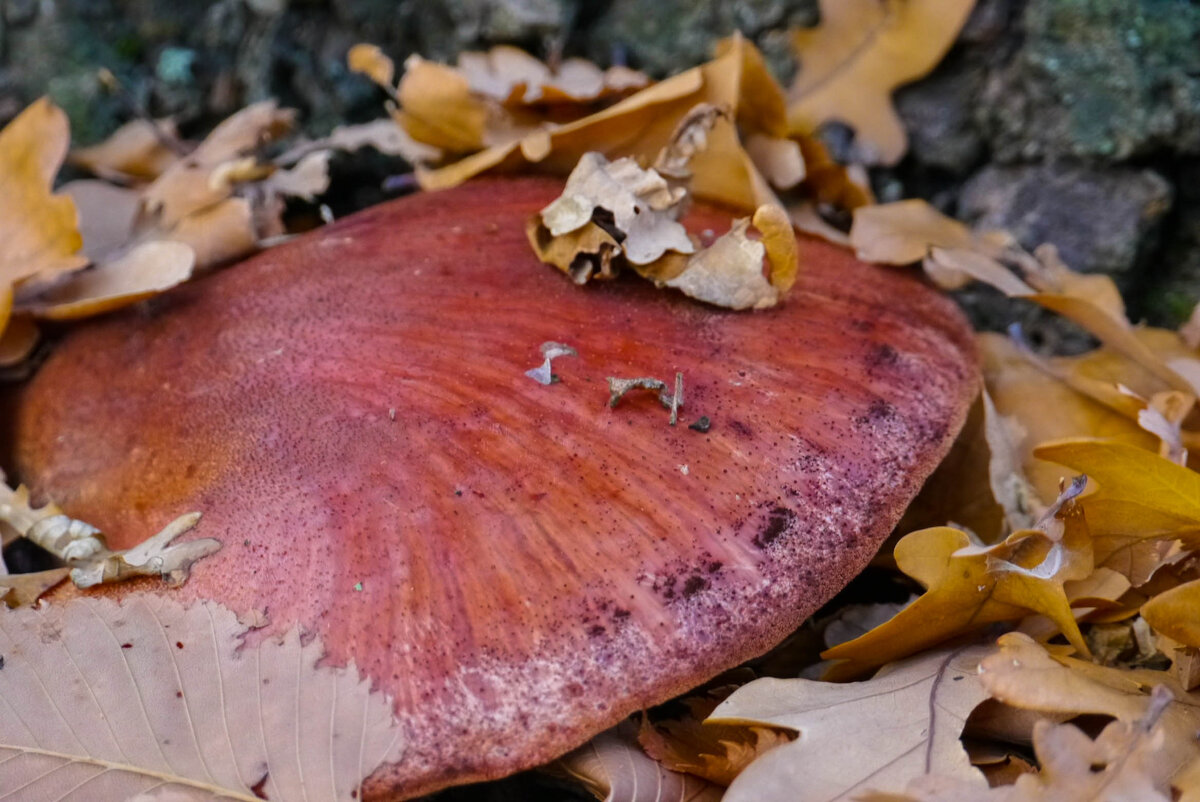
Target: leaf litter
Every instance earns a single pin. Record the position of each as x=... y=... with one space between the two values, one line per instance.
x=1108 y=572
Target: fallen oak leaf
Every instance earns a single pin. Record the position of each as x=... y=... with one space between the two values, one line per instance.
x=39 y=229
x=140 y=150
x=969 y=584
x=144 y=271
x=230 y=718
x=1140 y=495
x=23 y=590
x=709 y=750
x=729 y=272
x=1024 y=674
x=860 y=53
x=614 y=768
x=849 y=741
x=1124 y=762
x=82 y=546
x=1173 y=613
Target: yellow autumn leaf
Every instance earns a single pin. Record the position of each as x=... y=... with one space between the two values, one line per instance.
x=860 y=53
x=39 y=229
x=1173 y=613
x=373 y=63
x=969 y=584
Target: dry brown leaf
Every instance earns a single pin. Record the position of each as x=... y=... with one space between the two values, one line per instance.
x=614 y=768
x=583 y=254
x=859 y=736
x=38 y=228
x=107 y=214
x=729 y=272
x=23 y=590
x=860 y=53
x=1024 y=674
x=140 y=150
x=140 y=273
x=382 y=134
x=437 y=107
x=641 y=126
x=969 y=584
x=148 y=697
x=1173 y=613
x=512 y=76
x=1125 y=762
x=714 y=752
x=20 y=337
x=186 y=186
x=643 y=207
x=1022 y=391
x=1140 y=497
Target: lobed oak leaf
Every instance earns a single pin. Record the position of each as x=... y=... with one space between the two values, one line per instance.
x=138 y=151
x=151 y=697
x=1124 y=762
x=1140 y=495
x=969 y=584
x=862 y=735
x=712 y=751
x=1173 y=613
x=614 y=768
x=39 y=229
x=860 y=53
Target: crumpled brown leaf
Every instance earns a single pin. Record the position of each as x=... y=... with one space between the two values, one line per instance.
x=138 y=151
x=862 y=51
x=714 y=752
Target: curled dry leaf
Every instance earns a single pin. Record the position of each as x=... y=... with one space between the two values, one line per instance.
x=20 y=337
x=1024 y=674
x=729 y=272
x=140 y=150
x=714 y=752
x=614 y=768
x=970 y=584
x=150 y=697
x=38 y=228
x=643 y=208
x=850 y=743
x=1173 y=613
x=859 y=54
x=146 y=270
x=382 y=134
x=371 y=62
x=512 y=76
x=82 y=546
x=1125 y=762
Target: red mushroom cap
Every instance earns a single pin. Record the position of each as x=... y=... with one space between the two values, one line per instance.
x=533 y=565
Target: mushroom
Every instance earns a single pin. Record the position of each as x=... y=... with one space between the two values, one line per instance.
x=518 y=565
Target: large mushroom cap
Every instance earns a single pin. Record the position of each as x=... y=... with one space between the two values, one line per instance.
x=518 y=565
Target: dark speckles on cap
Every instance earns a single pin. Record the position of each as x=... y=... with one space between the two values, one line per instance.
x=779 y=520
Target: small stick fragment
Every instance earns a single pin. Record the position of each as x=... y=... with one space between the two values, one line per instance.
x=550 y=350
x=617 y=388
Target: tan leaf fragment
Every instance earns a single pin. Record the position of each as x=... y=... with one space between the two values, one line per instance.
x=642 y=206
x=20 y=337
x=512 y=76
x=22 y=590
x=383 y=134
x=583 y=254
x=714 y=752
x=39 y=229
x=371 y=62
x=618 y=388
x=729 y=272
x=1125 y=762
x=614 y=768
x=859 y=54
x=1173 y=613
x=170 y=700
x=107 y=215
x=144 y=271
x=82 y=546
x=1024 y=674
x=542 y=374
x=860 y=736
x=140 y=150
